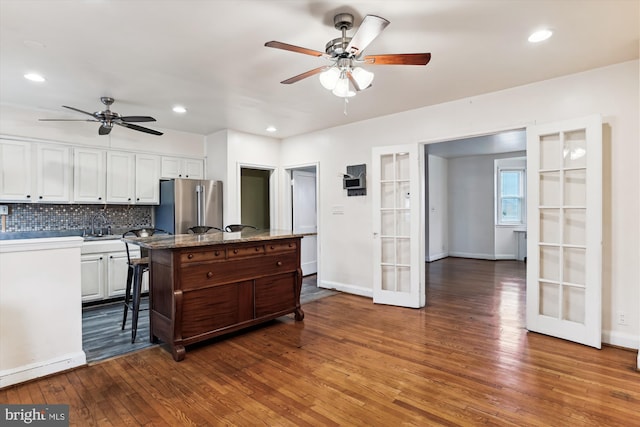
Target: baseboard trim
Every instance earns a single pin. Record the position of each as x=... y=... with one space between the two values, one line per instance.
x=43 y=368
x=621 y=339
x=491 y=257
x=436 y=257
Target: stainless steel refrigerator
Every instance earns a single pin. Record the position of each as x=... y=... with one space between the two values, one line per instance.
x=185 y=203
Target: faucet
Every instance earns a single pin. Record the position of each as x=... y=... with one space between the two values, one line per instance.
x=94 y=218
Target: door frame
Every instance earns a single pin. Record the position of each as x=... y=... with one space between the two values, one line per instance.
x=287 y=207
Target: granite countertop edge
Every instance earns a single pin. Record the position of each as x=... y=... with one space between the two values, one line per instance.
x=209 y=239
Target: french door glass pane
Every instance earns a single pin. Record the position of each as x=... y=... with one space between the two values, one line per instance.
x=550 y=263
x=403 y=166
x=574 y=266
x=550 y=225
x=387 y=195
x=549 y=299
x=388 y=278
x=575 y=189
x=387 y=225
x=386 y=167
x=404 y=223
x=575 y=221
x=550 y=151
x=575 y=149
x=573 y=304
x=549 y=189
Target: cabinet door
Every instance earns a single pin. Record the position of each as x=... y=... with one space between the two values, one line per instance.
x=147 y=179
x=89 y=175
x=120 y=177
x=117 y=273
x=15 y=171
x=274 y=294
x=53 y=173
x=171 y=167
x=193 y=169
x=92 y=276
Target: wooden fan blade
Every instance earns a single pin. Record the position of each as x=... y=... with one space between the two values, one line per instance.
x=292 y=48
x=138 y=128
x=399 y=59
x=370 y=28
x=354 y=82
x=304 y=75
x=130 y=119
x=79 y=111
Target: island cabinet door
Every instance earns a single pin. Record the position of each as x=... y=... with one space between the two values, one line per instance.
x=275 y=293
x=209 y=309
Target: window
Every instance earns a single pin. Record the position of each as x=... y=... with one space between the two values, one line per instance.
x=510 y=197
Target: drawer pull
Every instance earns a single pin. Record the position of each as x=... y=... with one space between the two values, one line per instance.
x=190 y=256
x=273 y=247
x=209 y=275
x=279 y=263
x=216 y=253
x=257 y=249
x=235 y=251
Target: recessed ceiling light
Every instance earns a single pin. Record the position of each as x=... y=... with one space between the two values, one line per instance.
x=34 y=77
x=539 y=36
x=271 y=129
x=179 y=109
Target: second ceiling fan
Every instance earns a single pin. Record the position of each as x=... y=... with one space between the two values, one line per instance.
x=346 y=53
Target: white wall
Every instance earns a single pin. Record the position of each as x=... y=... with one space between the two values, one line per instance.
x=611 y=91
x=438 y=210
x=227 y=151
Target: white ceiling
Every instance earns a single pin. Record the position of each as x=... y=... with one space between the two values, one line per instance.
x=209 y=56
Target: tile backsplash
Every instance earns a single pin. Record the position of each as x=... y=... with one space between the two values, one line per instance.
x=51 y=217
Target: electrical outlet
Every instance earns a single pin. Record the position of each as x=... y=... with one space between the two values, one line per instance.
x=4 y=210
x=622 y=318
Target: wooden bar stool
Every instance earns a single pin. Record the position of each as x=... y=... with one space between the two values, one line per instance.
x=136 y=268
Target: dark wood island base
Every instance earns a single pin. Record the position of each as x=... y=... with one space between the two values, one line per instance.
x=217 y=284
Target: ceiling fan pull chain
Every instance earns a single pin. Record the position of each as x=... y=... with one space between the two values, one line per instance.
x=346 y=101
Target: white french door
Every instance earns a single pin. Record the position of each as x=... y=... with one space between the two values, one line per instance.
x=305 y=220
x=564 y=255
x=398 y=226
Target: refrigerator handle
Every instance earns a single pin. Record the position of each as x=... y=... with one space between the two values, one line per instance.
x=199 y=205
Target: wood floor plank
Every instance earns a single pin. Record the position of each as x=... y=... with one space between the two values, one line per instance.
x=464 y=360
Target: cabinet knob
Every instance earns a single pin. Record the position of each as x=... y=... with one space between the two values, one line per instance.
x=129 y=199
x=257 y=249
x=40 y=197
x=209 y=275
x=272 y=247
x=28 y=196
x=111 y=256
x=216 y=253
x=190 y=256
x=235 y=251
x=99 y=198
x=279 y=263
x=138 y=199
x=179 y=175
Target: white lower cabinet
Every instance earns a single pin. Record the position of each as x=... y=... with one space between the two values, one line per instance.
x=104 y=270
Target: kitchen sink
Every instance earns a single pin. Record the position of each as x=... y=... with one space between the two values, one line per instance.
x=103 y=237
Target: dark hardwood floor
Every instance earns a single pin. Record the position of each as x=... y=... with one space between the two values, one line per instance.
x=464 y=360
x=103 y=337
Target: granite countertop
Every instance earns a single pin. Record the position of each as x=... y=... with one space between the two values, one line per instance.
x=163 y=241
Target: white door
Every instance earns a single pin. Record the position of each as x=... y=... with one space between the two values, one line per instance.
x=564 y=255
x=305 y=218
x=398 y=226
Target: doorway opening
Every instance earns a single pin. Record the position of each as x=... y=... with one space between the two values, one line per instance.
x=255 y=196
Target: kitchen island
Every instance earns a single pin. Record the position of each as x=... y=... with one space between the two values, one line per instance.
x=205 y=285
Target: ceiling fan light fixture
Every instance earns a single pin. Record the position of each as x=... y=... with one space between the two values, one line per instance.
x=342 y=88
x=329 y=78
x=362 y=77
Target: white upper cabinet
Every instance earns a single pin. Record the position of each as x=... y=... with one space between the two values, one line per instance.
x=53 y=173
x=121 y=174
x=35 y=172
x=89 y=184
x=133 y=178
x=176 y=167
x=147 y=179
x=15 y=171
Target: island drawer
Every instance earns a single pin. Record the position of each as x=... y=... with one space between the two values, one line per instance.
x=202 y=256
x=235 y=270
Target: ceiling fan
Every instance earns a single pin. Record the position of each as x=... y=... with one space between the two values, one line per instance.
x=108 y=118
x=346 y=53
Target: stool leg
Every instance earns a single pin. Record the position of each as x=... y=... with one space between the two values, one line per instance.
x=137 y=290
x=127 y=294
